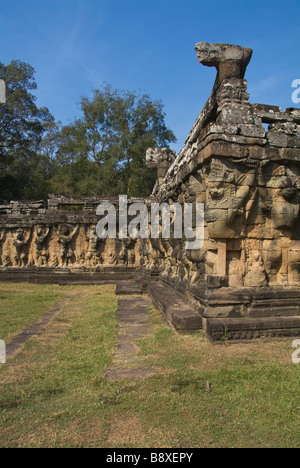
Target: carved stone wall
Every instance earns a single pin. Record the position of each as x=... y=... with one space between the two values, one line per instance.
x=60 y=233
x=248 y=178
x=246 y=277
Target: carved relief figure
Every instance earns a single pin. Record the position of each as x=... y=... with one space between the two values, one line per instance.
x=256 y=274
x=276 y=259
x=6 y=249
x=65 y=236
x=294 y=263
x=93 y=253
x=282 y=254
x=226 y=199
x=131 y=257
x=20 y=241
x=2 y=240
x=285 y=199
x=41 y=250
x=109 y=254
x=127 y=254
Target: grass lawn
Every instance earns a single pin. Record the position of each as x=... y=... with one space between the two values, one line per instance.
x=53 y=393
x=23 y=304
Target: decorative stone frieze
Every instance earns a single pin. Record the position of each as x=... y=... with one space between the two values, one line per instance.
x=244 y=281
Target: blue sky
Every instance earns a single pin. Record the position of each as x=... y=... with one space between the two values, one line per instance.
x=77 y=45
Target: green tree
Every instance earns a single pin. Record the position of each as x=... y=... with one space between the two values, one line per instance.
x=107 y=146
x=22 y=125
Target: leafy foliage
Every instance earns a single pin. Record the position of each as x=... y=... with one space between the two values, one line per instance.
x=102 y=153
x=107 y=146
x=21 y=131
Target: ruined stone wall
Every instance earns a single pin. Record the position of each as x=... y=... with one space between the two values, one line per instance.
x=247 y=174
x=60 y=233
x=242 y=162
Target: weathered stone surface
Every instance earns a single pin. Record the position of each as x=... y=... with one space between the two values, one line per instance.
x=61 y=233
x=182 y=316
x=63 y=276
x=235 y=330
x=249 y=180
x=230 y=60
x=128 y=288
x=247 y=177
x=160 y=158
x=134 y=323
